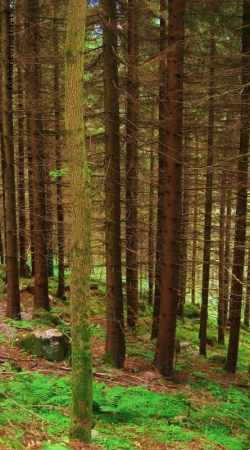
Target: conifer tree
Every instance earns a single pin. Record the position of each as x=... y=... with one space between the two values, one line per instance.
x=13 y=310
x=164 y=353
x=241 y=201
x=81 y=416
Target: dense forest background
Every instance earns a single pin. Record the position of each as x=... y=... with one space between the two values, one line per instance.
x=165 y=120
x=124 y=168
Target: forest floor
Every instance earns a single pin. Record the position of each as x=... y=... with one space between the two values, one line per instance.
x=203 y=408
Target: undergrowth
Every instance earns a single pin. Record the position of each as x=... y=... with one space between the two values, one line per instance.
x=122 y=415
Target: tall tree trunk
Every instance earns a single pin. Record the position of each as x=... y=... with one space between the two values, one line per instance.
x=247 y=298
x=58 y=144
x=194 y=236
x=241 y=201
x=37 y=154
x=161 y=153
x=132 y=165
x=227 y=257
x=221 y=302
x=3 y=226
x=172 y=208
x=151 y=235
x=183 y=241
x=115 y=338
x=208 y=206
x=81 y=416
x=23 y=268
x=13 y=310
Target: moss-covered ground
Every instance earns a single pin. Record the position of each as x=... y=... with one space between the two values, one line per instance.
x=204 y=408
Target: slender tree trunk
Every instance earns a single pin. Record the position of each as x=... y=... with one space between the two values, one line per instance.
x=31 y=224
x=221 y=303
x=37 y=154
x=247 y=299
x=13 y=310
x=241 y=201
x=172 y=208
x=132 y=165
x=58 y=143
x=161 y=153
x=23 y=268
x=194 y=239
x=151 y=235
x=208 y=206
x=183 y=242
x=3 y=225
x=227 y=258
x=81 y=415
x=115 y=338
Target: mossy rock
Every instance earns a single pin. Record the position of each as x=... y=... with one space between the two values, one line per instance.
x=217 y=359
x=211 y=340
x=51 y=344
x=191 y=311
x=45 y=317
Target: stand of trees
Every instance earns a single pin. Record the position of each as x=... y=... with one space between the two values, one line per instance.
x=160 y=115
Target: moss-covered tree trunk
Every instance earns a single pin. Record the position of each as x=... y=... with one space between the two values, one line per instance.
x=81 y=418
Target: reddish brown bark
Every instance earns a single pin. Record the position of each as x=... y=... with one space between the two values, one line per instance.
x=132 y=165
x=241 y=201
x=208 y=206
x=37 y=155
x=161 y=153
x=13 y=310
x=164 y=354
x=115 y=338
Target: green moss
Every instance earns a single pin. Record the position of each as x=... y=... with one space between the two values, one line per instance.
x=45 y=317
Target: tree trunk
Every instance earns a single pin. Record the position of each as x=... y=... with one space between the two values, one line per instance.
x=194 y=236
x=151 y=235
x=161 y=153
x=172 y=208
x=81 y=415
x=23 y=268
x=132 y=165
x=37 y=155
x=221 y=302
x=13 y=310
x=58 y=144
x=227 y=257
x=241 y=201
x=208 y=206
x=247 y=299
x=115 y=338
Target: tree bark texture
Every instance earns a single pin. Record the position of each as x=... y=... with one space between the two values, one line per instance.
x=241 y=200
x=37 y=154
x=172 y=208
x=161 y=153
x=13 y=310
x=81 y=415
x=115 y=339
x=132 y=165
x=208 y=205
